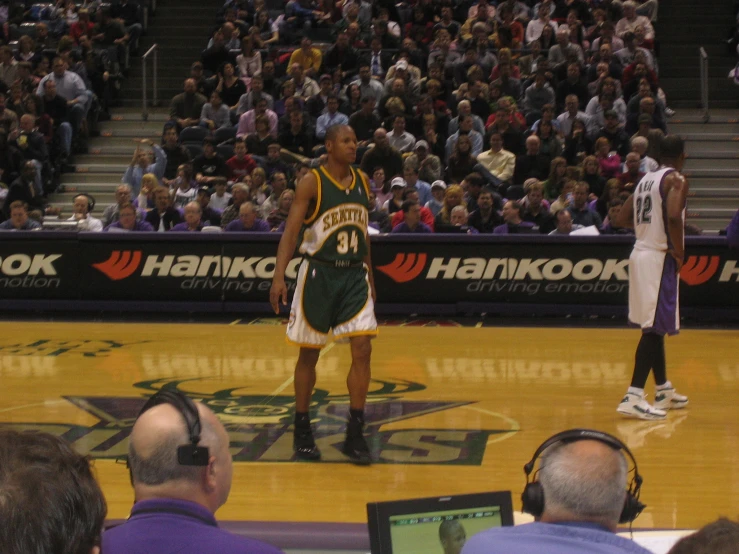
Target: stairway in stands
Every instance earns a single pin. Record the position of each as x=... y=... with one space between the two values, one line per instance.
x=180 y=28
x=713 y=148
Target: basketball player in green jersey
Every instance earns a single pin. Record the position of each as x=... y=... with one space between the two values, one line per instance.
x=335 y=289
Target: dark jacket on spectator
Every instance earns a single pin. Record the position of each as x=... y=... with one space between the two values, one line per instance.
x=186 y=106
x=390 y=160
x=20 y=190
x=171 y=218
x=175 y=157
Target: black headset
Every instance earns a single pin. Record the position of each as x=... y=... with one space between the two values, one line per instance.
x=90 y=201
x=533 y=494
x=187 y=454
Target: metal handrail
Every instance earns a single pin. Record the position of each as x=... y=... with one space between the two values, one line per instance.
x=704 y=84
x=155 y=101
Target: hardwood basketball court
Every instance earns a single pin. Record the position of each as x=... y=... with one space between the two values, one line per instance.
x=452 y=409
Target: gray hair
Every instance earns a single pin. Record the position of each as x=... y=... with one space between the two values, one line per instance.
x=240 y=186
x=640 y=141
x=161 y=465
x=458 y=209
x=591 y=488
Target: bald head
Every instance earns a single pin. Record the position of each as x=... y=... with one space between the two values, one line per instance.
x=155 y=469
x=583 y=481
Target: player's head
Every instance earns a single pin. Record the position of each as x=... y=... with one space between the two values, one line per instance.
x=452 y=536
x=341 y=144
x=672 y=151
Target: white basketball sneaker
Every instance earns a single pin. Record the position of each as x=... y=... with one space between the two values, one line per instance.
x=667 y=398
x=634 y=405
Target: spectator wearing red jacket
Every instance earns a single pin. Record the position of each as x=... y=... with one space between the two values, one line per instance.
x=427 y=218
x=241 y=163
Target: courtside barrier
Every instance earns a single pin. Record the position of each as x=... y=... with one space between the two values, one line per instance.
x=446 y=273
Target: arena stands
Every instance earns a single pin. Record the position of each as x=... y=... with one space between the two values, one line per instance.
x=434 y=75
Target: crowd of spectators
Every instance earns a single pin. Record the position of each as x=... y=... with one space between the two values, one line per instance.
x=61 y=65
x=541 y=108
x=471 y=117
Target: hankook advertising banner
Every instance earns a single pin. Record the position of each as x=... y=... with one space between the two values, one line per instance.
x=443 y=270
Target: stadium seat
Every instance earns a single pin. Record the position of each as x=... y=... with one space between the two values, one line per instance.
x=193 y=134
x=225 y=150
x=225 y=133
x=194 y=148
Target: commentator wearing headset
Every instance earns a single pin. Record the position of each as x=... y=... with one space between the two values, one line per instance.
x=181 y=471
x=580 y=495
x=83 y=205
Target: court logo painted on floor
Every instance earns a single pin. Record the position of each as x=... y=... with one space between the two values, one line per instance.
x=260 y=427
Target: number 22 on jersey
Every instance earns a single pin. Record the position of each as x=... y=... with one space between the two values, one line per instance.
x=643 y=203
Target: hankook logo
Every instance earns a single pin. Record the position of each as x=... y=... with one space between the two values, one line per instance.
x=699 y=269
x=121 y=264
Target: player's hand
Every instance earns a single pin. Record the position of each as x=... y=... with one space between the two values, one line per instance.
x=277 y=294
x=678 y=256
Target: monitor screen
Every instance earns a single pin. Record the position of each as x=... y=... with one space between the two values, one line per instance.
x=429 y=525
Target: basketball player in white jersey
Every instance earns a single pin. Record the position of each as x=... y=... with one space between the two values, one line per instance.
x=656 y=211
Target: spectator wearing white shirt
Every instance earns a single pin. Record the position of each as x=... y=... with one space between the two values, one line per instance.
x=566 y=119
x=399 y=138
x=630 y=21
x=85 y=222
x=640 y=145
x=220 y=198
x=535 y=27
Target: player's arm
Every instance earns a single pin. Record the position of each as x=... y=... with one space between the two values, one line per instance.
x=306 y=192
x=625 y=217
x=677 y=195
x=368 y=257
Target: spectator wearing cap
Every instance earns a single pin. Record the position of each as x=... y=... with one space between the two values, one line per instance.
x=485 y=217
x=411 y=223
x=497 y=162
x=382 y=155
x=580 y=210
x=428 y=165
x=365 y=121
x=409 y=74
x=395 y=202
x=615 y=134
x=308 y=57
x=316 y=104
x=437 y=197
x=399 y=138
x=513 y=222
x=331 y=117
x=536 y=211
x=209 y=216
x=248 y=221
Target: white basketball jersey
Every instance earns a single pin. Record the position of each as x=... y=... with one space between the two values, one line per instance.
x=650 y=211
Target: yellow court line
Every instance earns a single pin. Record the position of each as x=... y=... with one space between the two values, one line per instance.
x=515 y=426
x=34 y=405
x=290 y=379
x=235 y=322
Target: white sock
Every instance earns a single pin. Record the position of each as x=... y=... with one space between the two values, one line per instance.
x=667 y=385
x=634 y=390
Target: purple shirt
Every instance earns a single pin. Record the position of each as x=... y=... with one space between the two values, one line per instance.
x=552 y=538
x=403 y=228
x=138 y=226
x=505 y=229
x=183 y=228
x=168 y=526
x=236 y=226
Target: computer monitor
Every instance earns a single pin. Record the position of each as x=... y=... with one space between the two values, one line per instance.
x=413 y=526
